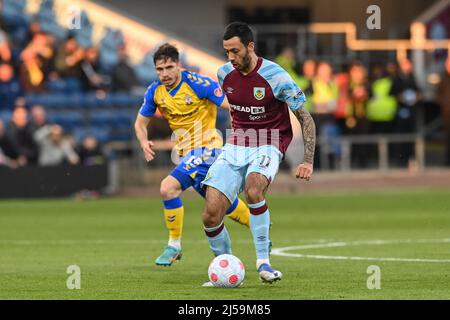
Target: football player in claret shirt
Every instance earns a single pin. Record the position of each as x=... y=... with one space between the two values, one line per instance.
x=189 y=102
x=260 y=94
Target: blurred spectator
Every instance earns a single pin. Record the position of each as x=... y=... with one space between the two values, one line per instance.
x=37 y=58
x=286 y=59
x=10 y=88
x=69 y=58
x=38 y=118
x=342 y=80
x=324 y=101
x=382 y=106
x=4 y=160
x=90 y=152
x=20 y=102
x=33 y=28
x=305 y=81
x=443 y=98
x=392 y=69
x=41 y=45
x=32 y=75
x=54 y=148
x=124 y=78
x=5 y=50
x=9 y=155
x=20 y=136
x=3 y=25
x=325 y=90
x=404 y=87
x=356 y=121
x=93 y=79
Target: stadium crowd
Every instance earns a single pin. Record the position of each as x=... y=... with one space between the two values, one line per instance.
x=383 y=100
x=36 y=58
x=30 y=69
x=35 y=61
x=38 y=142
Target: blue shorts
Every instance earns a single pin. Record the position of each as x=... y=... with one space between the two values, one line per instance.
x=192 y=169
x=235 y=163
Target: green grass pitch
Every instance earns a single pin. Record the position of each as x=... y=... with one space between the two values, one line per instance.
x=115 y=241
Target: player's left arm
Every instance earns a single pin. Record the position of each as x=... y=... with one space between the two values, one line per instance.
x=287 y=90
x=305 y=169
x=225 y=104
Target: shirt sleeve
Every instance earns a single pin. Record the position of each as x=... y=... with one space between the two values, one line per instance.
x=206 y=88
x=69 y=152
x=148 y=107
x=283 y=86
x=286 y=90
x=223 y=71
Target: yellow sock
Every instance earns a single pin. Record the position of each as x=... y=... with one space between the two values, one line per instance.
x=173 y=216
x=241 y=213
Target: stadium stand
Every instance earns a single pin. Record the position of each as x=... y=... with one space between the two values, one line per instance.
x=105 y=114
x=108 y=114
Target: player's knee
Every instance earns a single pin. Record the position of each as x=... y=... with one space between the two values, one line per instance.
x=254 y=194
x=168 y=191
x=211 y=216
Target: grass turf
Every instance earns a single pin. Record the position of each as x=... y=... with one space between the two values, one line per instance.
x=115 y=242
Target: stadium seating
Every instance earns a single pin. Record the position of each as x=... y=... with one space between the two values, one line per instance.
x=15 y=19
x=109 y=44
x=67 y=119
x=145 y=70
x=5 y=116
x=109 y=116
x=65 y=85
x=83 y=35
x=48 y=22
x=101 y=134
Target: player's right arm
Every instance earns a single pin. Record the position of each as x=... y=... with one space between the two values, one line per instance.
x=140 y=127
x=146 y=111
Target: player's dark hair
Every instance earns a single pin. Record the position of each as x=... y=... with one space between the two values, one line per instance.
x=240 y=30
x=166 y=52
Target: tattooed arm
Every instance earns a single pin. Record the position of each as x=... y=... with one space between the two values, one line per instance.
x=305 y=169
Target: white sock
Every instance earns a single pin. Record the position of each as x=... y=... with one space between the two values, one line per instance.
x=261 y=261
x=175 y=243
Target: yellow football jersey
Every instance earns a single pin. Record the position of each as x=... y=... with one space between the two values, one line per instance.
x=190 y=108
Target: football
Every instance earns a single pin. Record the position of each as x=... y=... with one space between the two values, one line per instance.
x=226 y=271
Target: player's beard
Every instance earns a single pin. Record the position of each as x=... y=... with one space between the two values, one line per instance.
x=246 y=60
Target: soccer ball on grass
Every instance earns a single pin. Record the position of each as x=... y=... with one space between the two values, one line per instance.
x=226 y=271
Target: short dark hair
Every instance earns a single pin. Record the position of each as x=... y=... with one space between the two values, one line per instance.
x=239 y=29
x=165 y=52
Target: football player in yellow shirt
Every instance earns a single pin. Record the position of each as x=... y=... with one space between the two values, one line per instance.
x=189 y=102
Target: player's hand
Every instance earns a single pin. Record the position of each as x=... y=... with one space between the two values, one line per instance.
x=304 y=171
x=149 y=154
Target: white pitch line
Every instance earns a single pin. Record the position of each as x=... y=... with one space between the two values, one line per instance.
x=102 y=242
x=63 y=242
x=282 y=251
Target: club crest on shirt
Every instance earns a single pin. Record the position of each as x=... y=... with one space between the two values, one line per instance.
x=188 y=99
x=218 y=92
x=259 y=93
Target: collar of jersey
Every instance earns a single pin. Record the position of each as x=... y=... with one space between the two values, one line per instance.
x=174 y=90
x=255 y=70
